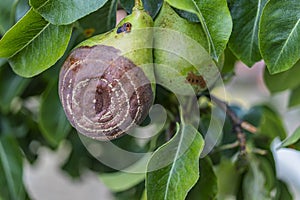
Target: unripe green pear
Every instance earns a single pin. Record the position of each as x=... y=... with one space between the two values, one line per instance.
x=180 y=56
x=106 y=84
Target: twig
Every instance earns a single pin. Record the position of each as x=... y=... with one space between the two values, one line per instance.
x=235 y=119
x=228 y=146
x=260 y=151
x=248 y=127
x=238 y=124
x=241 y=138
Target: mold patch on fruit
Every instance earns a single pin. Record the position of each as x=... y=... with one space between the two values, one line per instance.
x=103 y=93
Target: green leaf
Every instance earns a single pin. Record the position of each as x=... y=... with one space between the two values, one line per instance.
x=120 y=181
x=268 y=168
x=188 y=29
x=62 y=12
x=46 y=48
x=284 y=80
x=11 y=86
x=291 y=140
x=192 y=17
x=11 y=167
x=230 y=61
x=279 y=34
x=136 y=193
x=127 y=178
x=228 y=179
x=215 y=19
x=254 y=183
x=283 y=192
x=295 y=97
x=144 y=195
x=34 y=43
x=52 y=120
x=174 y=168
x=244 y=38
x=207 y=185
x=22 y=34
x=152 y=7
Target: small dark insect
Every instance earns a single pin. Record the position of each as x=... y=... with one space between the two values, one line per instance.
x=126 y=27
x=194 y=79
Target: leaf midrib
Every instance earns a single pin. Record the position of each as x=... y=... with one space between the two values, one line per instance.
x=202 y=19
x=173 y=164
x=42 y=5
x=255 y=28
x=286 y=42
x=33 y=38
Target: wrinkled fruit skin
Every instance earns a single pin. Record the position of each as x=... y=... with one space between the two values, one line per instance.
x=105 y=84
x=180 y=54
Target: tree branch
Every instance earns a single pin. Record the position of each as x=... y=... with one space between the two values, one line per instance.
x=238 y=124
x=235 y=119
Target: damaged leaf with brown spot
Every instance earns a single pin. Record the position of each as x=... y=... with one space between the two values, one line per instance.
x=181 y=54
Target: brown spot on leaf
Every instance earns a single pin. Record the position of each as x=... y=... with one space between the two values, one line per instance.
x=89 y=32
x=194 y=79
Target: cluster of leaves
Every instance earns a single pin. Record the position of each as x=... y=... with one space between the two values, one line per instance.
x=31 y=115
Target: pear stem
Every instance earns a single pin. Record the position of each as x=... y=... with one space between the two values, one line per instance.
x=138 y=4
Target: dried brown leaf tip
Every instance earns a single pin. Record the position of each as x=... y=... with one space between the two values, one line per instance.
x=194 y=79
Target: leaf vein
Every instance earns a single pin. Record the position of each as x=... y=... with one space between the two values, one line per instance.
x=202 y=19
x=286 y=42
x=173 y=166
x=255 y=28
